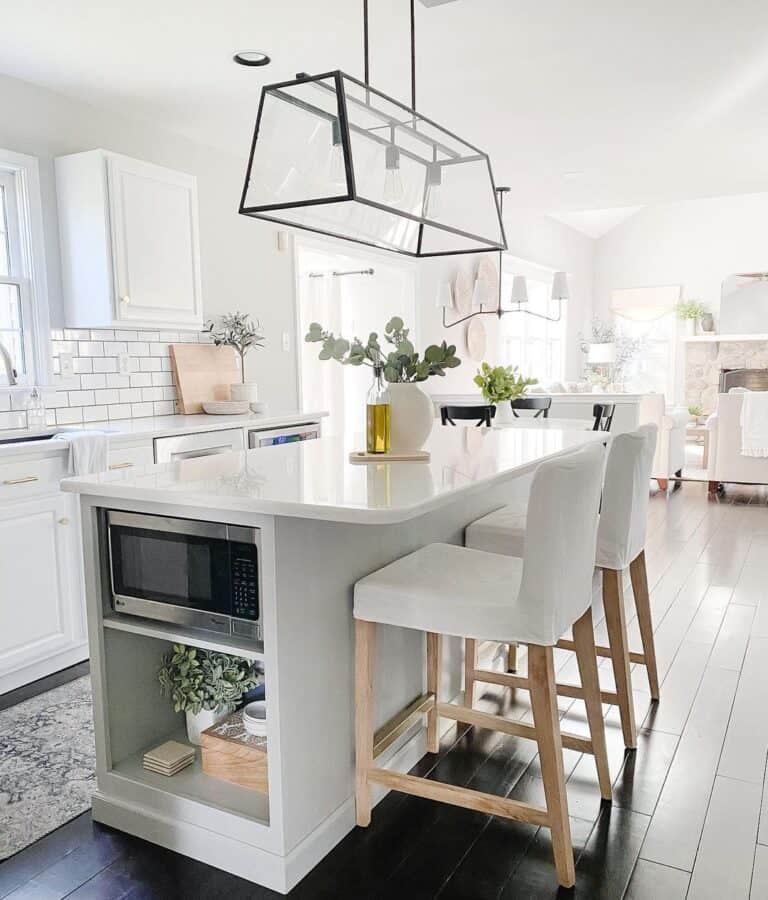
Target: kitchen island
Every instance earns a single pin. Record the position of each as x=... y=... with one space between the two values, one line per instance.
x=323 y=523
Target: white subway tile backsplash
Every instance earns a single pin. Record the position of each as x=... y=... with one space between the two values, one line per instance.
x=162 y=379
x=69 y=415
x=59 y=398
x=164 y=408
x=119 y=411
x=105 y=364
x=90 y=348
x=104 y=334
x=165 y=365
x=169 y=393
x=152 y=393
x=95 y=414
x=140 y=348
x=130 y=395
x=118 y=381
x=5 y=401
x=50 y=417
x=141 y=379
x=63 y=347
x=115 y=348
x=66 y=382
x=126 y=336
x=159 y=350
x=19 y=400
x=13 y=420
x=108 y=396
x=149 y=364
x=82 y=364
x=57 y=334
x=77 y=334
x=81 y=398
x=169 y=337
x=141 y=410
x=149 y=335
x=93 y=381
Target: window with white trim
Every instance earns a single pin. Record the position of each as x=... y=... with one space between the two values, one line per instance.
x=11 y=280
x=535 y=345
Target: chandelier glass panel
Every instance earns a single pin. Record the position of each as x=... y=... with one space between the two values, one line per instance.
x=333 y=155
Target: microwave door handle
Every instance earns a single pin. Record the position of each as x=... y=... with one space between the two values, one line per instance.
x=208 y=451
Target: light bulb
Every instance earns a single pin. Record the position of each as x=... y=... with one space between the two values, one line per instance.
x=337 y=174
x=433 y=192
x=394 y=189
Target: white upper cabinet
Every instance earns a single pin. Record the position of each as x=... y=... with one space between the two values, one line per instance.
x=129 y=242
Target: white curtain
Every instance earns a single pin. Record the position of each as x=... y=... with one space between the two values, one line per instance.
x=645 y=304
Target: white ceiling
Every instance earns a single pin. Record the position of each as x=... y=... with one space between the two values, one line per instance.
x=582 y=106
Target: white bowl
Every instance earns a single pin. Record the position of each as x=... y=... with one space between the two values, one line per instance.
x=225 y=407
x=255 y=718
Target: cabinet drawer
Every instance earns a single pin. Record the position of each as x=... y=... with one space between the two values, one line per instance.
x=130 y=457
x=26 y=478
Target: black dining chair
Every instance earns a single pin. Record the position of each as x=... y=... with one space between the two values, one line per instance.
x=603 y=413
x=482 y=414
x=540 y=404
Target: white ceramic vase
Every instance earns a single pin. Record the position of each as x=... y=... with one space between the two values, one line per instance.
x=503 y=414
x=198 y=722
x=413 y=416
x=248 y=391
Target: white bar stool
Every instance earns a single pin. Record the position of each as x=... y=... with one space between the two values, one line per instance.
x=445 y=589
x=620 y=543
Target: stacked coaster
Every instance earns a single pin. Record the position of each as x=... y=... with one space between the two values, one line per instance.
x=169 y=758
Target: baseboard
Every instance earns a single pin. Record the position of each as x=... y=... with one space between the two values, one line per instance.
x=39 y=670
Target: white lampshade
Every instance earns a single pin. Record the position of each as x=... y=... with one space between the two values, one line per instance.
x=601 y=354
x=479 y=291
x=444 y=296
x=560 y=286
x=519 y=289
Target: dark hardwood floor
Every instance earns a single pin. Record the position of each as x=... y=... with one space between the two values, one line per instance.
x=689 y=816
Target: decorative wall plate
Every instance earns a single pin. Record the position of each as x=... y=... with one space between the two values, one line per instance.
x=488 y=274
x=462 y=293
x=476 y=340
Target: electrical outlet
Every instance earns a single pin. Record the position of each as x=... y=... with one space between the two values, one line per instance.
x=123 y=363
x=66 y=366
x=286 y=341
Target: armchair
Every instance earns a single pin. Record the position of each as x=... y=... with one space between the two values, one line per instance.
x=669 y=458
x=726 y=463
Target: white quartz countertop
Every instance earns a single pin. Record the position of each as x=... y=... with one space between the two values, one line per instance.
x=124 y=431
x=315 y=479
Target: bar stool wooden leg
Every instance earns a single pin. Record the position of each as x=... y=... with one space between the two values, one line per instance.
x=584 y=639
x=365 y=646
x=615 y=619
x=512 y=658
x=639 y=576
x=541 y=673
x=470 y=664
x=434 y=659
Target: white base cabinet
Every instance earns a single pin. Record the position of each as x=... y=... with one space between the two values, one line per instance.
x=129 y=242
x=42 y=628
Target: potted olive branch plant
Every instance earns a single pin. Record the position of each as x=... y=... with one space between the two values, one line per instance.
x=204 y=684
x=236 y=330
x=501 y=384
x=403 y=367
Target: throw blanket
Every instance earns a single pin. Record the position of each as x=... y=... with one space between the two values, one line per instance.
x=754 y=424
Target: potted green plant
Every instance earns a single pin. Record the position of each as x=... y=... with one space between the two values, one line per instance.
x=695 y=412
x=236 y=330
x=204 y=684
x=501 y=384
x=404 y=368
x=690 y=312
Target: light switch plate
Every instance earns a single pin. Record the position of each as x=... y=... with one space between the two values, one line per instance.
x=124 y=363
x=286 y=341
x=66 y=366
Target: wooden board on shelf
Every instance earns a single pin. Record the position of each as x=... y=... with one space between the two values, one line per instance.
x=230 y=753
x=203 y=372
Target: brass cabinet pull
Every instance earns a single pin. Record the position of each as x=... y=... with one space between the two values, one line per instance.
x=25 y=479
x=122 y=465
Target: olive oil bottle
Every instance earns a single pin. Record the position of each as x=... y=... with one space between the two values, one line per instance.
x=378 y=416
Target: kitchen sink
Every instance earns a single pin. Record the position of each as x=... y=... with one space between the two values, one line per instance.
x=26 y=438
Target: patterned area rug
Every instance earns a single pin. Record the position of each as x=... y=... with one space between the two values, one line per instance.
x=47 y=763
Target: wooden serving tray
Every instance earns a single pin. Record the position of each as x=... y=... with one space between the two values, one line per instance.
x=230 y=753
x=361 y=456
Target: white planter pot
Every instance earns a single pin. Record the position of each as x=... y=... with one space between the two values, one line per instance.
x=197 y=723
x=413 y=416
x=248 y=391
x=503 y=413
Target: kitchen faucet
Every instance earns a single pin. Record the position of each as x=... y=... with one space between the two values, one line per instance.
x=10 y=372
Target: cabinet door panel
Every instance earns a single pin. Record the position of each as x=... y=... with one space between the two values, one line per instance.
x=41 y=610
x=154 y=233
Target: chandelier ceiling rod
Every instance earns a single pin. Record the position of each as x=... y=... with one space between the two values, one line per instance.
x=366 y=49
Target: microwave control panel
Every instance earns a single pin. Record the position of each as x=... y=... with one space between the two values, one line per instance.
x=245 y=581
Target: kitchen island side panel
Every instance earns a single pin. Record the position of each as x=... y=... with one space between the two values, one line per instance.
x=317 y=565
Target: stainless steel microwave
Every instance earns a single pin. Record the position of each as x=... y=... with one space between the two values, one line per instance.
x=204 y=575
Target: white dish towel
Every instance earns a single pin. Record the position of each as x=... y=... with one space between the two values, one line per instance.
x=754 y=423
x=87 y=451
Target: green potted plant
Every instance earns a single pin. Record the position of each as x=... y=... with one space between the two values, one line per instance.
x=404 y=368
x=695 y=412
x=204 y=684
x=236 y=330
x=501 y=384
x=690 y=312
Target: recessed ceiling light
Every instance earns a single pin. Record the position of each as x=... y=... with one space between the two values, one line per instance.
x=251 y=58
x=572 y=174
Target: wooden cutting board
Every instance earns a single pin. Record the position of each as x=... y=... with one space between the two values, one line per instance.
x=203 y=372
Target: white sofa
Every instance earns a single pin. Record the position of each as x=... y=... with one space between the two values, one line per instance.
x=670 y=446
x=726 y=464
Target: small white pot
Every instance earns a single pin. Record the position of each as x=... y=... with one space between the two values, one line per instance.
x=413 y=416
x=198 y=722
x=248 y=391
x=503 y=413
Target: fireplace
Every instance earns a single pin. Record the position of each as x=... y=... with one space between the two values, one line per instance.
x=752 y=379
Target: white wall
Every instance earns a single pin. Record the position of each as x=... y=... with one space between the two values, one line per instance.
x=694 y=243
x=241 y=266
x=535 y=238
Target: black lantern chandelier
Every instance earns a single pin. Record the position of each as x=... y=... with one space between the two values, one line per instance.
x=332 y=155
